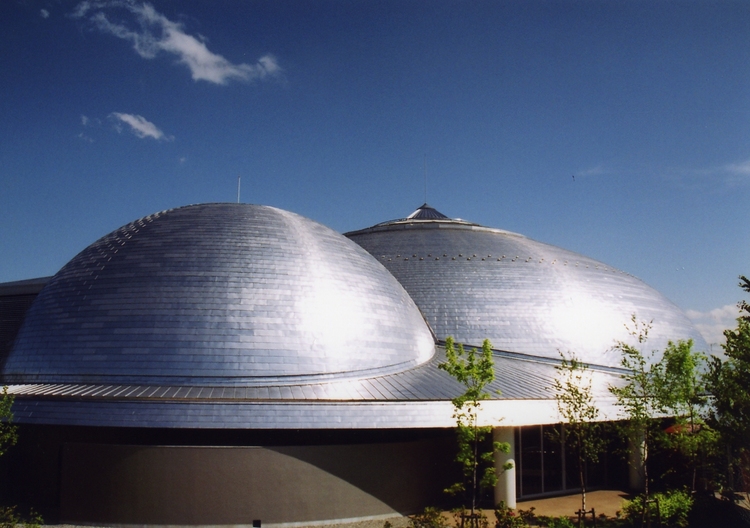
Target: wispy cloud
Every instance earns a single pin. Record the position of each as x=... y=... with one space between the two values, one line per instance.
x=738 y=172
x=88 y=123
x=599 y=170
x=151 y=33
x=44 y=13
x=730 y=175
x=139 y=126
x=712 y=324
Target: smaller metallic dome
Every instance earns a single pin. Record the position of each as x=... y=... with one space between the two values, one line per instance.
x=218 y=294
x=473 y=282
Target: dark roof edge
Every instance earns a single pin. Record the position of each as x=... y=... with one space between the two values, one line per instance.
x=23 y=287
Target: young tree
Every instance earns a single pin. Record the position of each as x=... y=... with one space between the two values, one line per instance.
x=475 y=371
x=743 y=305
x=684 y=397
x=728 y=383
x=640 y=395
x=575 y=403
x=9 y=515
x=8 y=431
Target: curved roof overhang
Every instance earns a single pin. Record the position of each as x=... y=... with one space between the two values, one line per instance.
x=416 y=398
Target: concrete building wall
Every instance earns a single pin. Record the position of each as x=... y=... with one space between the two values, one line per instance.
x=129 y=484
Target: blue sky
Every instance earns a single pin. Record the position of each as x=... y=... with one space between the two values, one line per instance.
x=619 y=130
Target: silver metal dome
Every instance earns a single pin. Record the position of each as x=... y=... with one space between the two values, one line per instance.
x=219 y=294
x=473 y=282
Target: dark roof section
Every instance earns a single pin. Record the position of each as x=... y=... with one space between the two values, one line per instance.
x=15 y=299
x=23 y=287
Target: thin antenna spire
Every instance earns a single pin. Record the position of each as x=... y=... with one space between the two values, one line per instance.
x=238 y=188
x=424 y=165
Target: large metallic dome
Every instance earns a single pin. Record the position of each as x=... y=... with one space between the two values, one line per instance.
x=473 y=282
x=219 y=294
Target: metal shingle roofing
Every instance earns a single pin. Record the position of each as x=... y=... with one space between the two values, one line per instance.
x=473 y=282
x=418 y=397
x=218 y=294
x=235 y=316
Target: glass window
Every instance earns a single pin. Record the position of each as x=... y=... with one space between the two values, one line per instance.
x=530 y=447
x=552 y=462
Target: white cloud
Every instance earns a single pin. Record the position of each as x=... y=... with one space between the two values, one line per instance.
x=593 y=171
x=90 y=122
x=712 y=324
x=44 y=13
x=742 y=169
x=737 y=173
x=139 y=126
x=155 y=33
x=729 y=174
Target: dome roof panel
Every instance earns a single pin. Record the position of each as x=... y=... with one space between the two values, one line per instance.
x=527 y=297
x=218 y=294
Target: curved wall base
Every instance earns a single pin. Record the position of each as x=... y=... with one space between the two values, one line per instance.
x=201 y=485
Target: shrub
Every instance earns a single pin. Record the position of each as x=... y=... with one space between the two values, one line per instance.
x=557 y=522
x=506 y=518
x=10 y=518
x=673 y=508
x=528 y=516
x=463 y=518
x=429 y=518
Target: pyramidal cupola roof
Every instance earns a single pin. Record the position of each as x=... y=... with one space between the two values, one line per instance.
x=427 y=212
x=424 y=215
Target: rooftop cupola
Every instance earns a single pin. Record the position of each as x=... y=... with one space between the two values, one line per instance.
x=426 y=212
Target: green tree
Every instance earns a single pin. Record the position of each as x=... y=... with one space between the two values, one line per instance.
x=743 y=305
x=8 y=438
x=684 y=397
x=640 y=395
x=9 y=515
x=727 y=382
x=8 y=431
x=575 y=403
x=475 y=371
